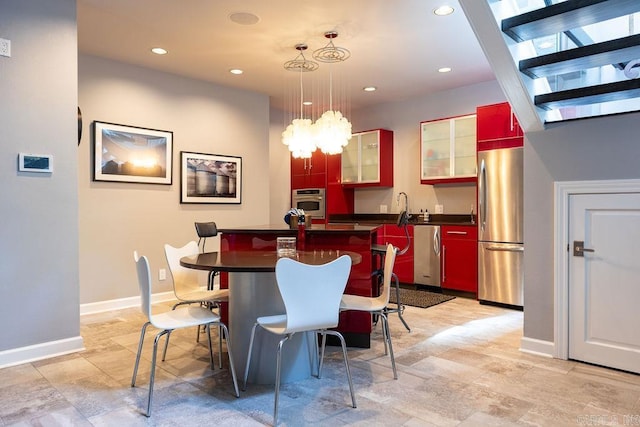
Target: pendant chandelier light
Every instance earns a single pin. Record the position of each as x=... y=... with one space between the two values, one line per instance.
x=299 y=135
x=332 y=129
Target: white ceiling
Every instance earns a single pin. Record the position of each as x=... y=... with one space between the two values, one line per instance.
x=396 y=45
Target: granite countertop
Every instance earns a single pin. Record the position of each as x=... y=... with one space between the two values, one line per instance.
x=372 y=219
x=315 y=228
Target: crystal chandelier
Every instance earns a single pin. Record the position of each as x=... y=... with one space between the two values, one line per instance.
x=299 y=135
x=332 y=129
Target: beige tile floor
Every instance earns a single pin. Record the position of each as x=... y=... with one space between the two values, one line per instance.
x=459 y=366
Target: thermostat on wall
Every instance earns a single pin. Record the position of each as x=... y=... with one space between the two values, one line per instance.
x=35 y=162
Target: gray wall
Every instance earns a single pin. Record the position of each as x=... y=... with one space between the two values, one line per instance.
x=594 y=149
x=116 y=218
x=39 y=226
x=403 y=118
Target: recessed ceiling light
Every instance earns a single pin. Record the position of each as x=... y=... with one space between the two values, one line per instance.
x=159 y=51
x=307 y=103
x=443 y=10
x=444 y=69
x=244 y=18
x=370 y=89
x=236 y=71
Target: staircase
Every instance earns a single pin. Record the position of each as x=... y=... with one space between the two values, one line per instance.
x=586 y=56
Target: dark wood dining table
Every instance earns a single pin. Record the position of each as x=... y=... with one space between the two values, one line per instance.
x=253 y=292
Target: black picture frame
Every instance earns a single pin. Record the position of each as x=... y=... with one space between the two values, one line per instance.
x=132 y=154
x=210 y=178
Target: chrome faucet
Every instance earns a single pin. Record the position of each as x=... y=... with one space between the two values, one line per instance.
x=406 y=201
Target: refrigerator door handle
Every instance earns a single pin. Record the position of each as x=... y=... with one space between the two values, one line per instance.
x=505 y=248
x=482 y=196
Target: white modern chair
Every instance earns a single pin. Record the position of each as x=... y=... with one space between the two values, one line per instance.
x=182 y=317
x=377 y=305
x=311 y=295
x=186 y=285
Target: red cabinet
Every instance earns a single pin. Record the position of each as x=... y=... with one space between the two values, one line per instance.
x=309 y=173
x=459 y=257
x=497 y=127
x=391 y=233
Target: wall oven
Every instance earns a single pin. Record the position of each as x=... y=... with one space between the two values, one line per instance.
x=311 y=200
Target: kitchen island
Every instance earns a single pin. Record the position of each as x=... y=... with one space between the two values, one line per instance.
x=355 y=326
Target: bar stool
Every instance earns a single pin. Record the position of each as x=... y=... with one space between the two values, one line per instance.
x=379 y=251
x=204 y=230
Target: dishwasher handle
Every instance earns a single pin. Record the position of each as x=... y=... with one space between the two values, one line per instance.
x=436 y=240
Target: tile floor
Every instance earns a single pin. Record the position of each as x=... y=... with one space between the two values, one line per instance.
x=459 y=366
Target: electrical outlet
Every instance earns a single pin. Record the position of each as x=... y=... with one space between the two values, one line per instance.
x=162 y=274
x=439 y=209
x=383 y=208
x=5 y=48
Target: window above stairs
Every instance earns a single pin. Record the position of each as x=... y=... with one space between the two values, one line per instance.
x=576 y=58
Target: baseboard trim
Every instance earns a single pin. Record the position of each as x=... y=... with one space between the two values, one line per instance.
x=121 y=303
x=32 y=353
x=537 y=347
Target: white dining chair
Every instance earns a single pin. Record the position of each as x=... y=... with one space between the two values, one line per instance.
x=181 y=317
x=377 y=305
x=311 y=296
x=187 y=288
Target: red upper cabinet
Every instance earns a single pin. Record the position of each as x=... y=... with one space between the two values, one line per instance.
x=309 y=173
x=498 y=127
x=339 y=200
x=367 y=161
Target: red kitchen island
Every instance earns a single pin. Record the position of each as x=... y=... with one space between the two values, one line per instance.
x=354 y=326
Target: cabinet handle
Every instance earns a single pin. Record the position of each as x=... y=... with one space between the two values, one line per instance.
x=444 y=258
x=463 y=233
x=511 y=119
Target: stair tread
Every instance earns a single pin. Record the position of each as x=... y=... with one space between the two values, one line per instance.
x=595 y=55
x=616 y=91
x=565 y=16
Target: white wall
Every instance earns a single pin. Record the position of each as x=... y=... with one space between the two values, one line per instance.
x=593 y=149
x=116 y=218
x=39 y=212
x=403 y=118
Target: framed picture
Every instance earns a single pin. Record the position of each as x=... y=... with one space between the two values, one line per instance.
x=132 y=154
x=210 y=178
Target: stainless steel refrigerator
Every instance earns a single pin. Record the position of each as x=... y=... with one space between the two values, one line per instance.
x=500 y=227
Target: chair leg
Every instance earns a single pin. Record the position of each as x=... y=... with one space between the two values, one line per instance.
x=246 y=368
x=208 y=329
x=220 y=345
x=135 y=366
x=166 y=345
x=223 y=328
x=399 y=303
x=346 y=364
x=324 y=342
x=278 y=367
x=387 y=337
x=152 y=377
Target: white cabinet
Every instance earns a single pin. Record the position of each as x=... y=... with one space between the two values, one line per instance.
x=448 y=150
x=367 y=161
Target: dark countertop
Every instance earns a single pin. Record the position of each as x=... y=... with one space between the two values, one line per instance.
x=315 y=228
x=377 y=219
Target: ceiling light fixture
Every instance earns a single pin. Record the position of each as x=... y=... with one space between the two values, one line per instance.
x=299 y=135
x=236 y=71
x=444 y=69
x=369 y=89
x=159 y=51
x=333 y=130
x=443 y=10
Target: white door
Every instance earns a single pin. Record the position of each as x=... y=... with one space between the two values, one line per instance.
x=604 y=283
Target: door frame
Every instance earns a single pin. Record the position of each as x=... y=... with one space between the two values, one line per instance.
x=563 y=190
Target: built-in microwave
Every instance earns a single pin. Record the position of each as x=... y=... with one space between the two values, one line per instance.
x=310 y=200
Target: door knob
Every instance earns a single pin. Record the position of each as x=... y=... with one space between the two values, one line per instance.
x=579 y=249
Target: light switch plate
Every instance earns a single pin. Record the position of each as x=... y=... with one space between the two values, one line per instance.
x=383 y=208
x=5 y=48
x=439 y=209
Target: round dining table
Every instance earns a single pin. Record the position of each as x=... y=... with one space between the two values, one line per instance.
x=253 y=292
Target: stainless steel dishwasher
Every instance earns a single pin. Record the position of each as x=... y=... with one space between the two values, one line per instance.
x=426 y=255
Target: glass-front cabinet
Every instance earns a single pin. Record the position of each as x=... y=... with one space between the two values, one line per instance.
x=448 y=150
x=367 y=161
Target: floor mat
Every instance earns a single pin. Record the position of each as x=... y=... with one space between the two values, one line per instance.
x=418 y=298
